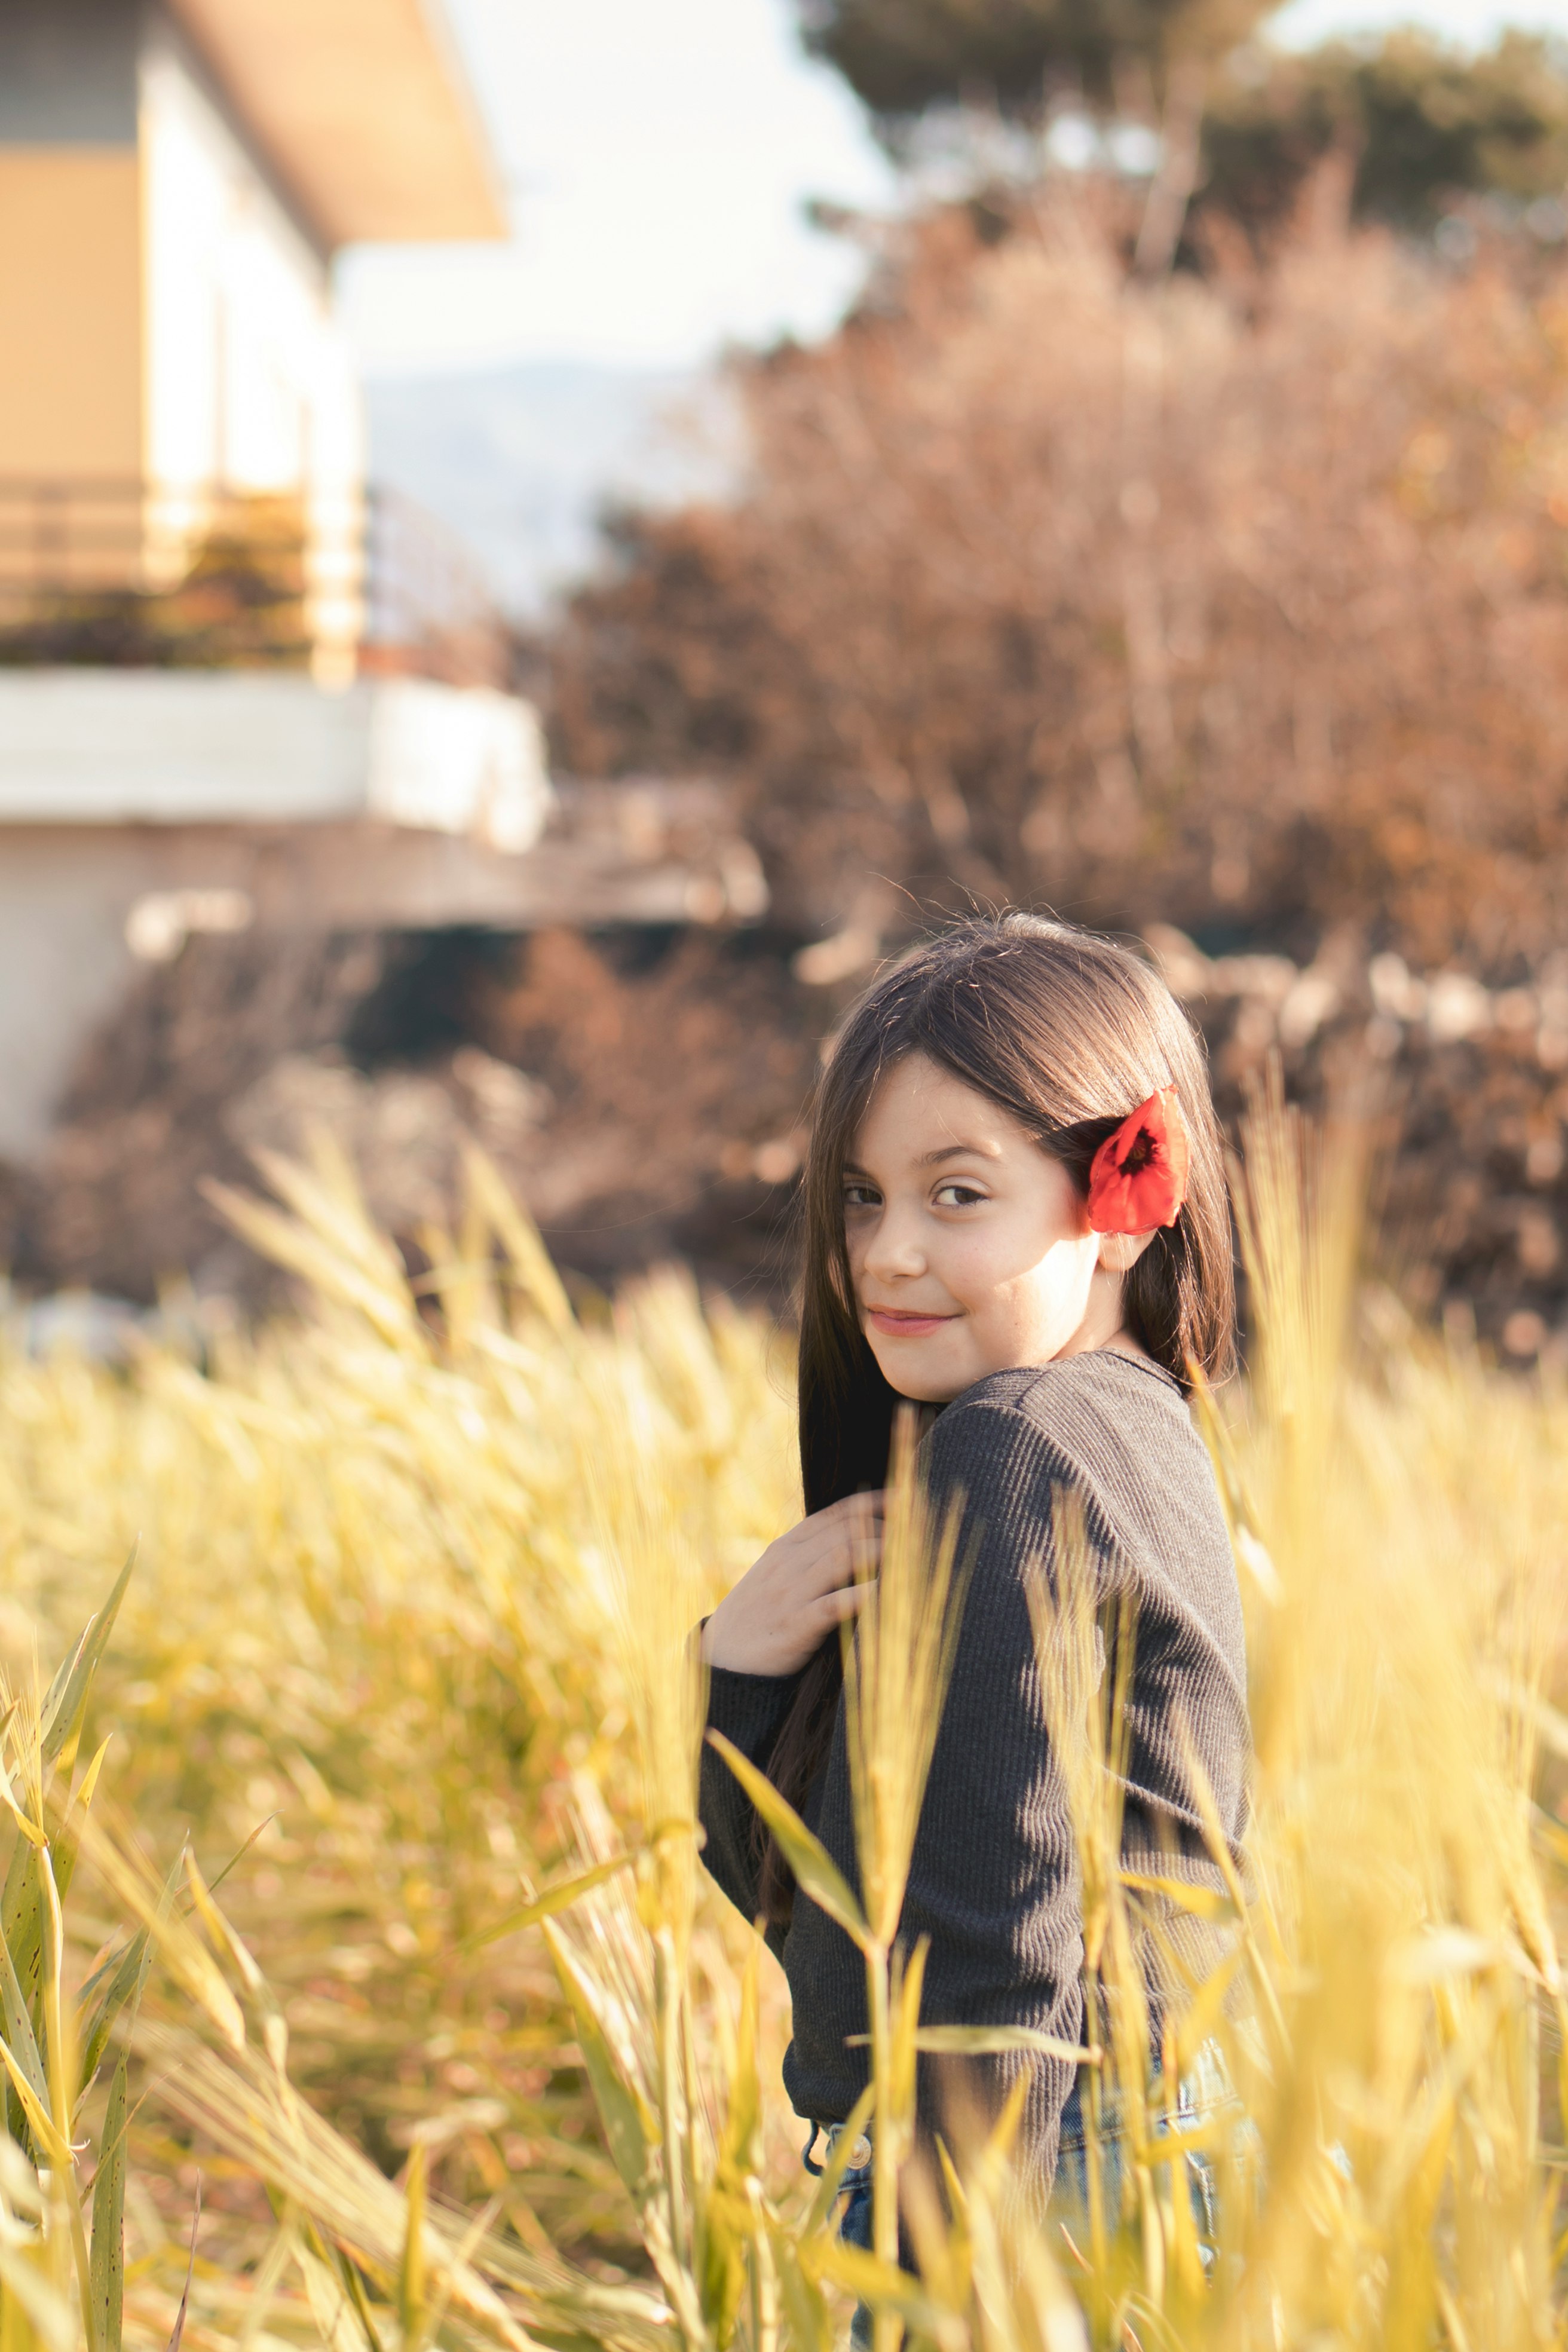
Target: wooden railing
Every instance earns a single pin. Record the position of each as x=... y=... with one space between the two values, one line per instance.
x=118 y=571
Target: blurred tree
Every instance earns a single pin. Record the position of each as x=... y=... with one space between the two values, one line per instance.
x=904 y=56
x=1304 y=665
x=1424 y=122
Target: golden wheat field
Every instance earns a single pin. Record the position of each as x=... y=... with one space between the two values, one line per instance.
x=355 y=1889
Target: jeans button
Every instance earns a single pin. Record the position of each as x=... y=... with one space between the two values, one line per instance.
x=860 y=2154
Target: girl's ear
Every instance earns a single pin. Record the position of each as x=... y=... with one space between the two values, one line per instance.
x=1120 y=1253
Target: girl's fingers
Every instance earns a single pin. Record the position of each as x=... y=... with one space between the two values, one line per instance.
x=848 y=1602
x=834 y=1546
x=828 y=1530
x=857 y=1506
x=850 y=1555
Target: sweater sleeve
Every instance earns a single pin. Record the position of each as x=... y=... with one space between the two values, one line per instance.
x=749 y=1709
x=994 y=1881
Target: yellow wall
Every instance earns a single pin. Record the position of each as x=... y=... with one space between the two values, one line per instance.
x=71 y=310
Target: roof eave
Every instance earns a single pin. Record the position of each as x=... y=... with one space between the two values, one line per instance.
x=361 y=110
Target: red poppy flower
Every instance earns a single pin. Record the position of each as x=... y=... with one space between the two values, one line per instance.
x=1138 y=1178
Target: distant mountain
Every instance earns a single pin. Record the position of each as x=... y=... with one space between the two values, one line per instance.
x=521 y=461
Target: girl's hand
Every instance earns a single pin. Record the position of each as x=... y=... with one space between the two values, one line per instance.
x=787 y=1603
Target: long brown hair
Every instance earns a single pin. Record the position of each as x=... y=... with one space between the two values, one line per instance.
x=1068 y=1032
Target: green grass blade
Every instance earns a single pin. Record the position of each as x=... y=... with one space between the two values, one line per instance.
x=22 y=1919
x=837 y=2164
x=40 y=2123
x=630 y=2128
x=179 y=2329
x=115 y=1984
x=815 y=1873
x=107 y=2266
x=555 y=1899
x=19 y=2031
x=413 y=2284
x=66 y=1703
x=119 y=1982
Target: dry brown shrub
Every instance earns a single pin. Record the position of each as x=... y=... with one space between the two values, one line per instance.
x=661 y=1115
x=1245 y=600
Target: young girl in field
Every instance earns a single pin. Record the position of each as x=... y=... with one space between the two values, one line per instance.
x=1015 y=1214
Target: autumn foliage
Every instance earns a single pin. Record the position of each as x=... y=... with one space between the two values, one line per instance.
x=1242 y=602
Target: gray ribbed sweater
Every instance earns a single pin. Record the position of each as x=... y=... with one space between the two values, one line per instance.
x=995 y=1879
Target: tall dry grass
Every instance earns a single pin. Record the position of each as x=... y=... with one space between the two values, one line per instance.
x=411 y=1616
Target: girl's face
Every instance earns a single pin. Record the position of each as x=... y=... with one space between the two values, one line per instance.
x=969 y=1248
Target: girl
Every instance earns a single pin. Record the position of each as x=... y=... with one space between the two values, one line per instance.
x=1015 y=1212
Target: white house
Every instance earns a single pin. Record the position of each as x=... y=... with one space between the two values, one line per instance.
x=173 y=183
x=180 y=431
x=180 y=449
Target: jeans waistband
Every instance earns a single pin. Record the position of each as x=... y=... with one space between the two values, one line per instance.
x=857 y=2174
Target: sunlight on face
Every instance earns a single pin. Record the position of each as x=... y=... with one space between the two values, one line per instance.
x=970 y=1248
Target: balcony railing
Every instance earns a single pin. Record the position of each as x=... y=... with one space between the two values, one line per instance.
x=134 y=573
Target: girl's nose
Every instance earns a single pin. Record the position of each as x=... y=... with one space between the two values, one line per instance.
x=895 y=1249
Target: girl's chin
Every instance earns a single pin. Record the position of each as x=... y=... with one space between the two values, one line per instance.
x=923 y=1383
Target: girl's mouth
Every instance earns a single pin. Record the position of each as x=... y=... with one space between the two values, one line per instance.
x=898 y=1324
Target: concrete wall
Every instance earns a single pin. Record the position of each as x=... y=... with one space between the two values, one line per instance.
x=74 y=898
x=80 y=904
x=172 y=747
x=64 y=964
x=137 y=805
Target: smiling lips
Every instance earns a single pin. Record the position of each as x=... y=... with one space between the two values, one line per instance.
x=898 y=1323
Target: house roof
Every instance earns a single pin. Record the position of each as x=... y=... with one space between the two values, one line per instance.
x=361 y=107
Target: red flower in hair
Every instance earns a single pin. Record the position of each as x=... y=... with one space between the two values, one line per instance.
x=1138 y=1178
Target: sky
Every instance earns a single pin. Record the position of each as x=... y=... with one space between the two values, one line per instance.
x=658 y=156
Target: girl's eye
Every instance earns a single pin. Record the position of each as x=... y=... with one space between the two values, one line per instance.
x=958 y=1196
x=861 y=1196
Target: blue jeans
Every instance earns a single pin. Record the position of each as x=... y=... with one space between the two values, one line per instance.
x=854 y=2216
x=1203 y=2092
